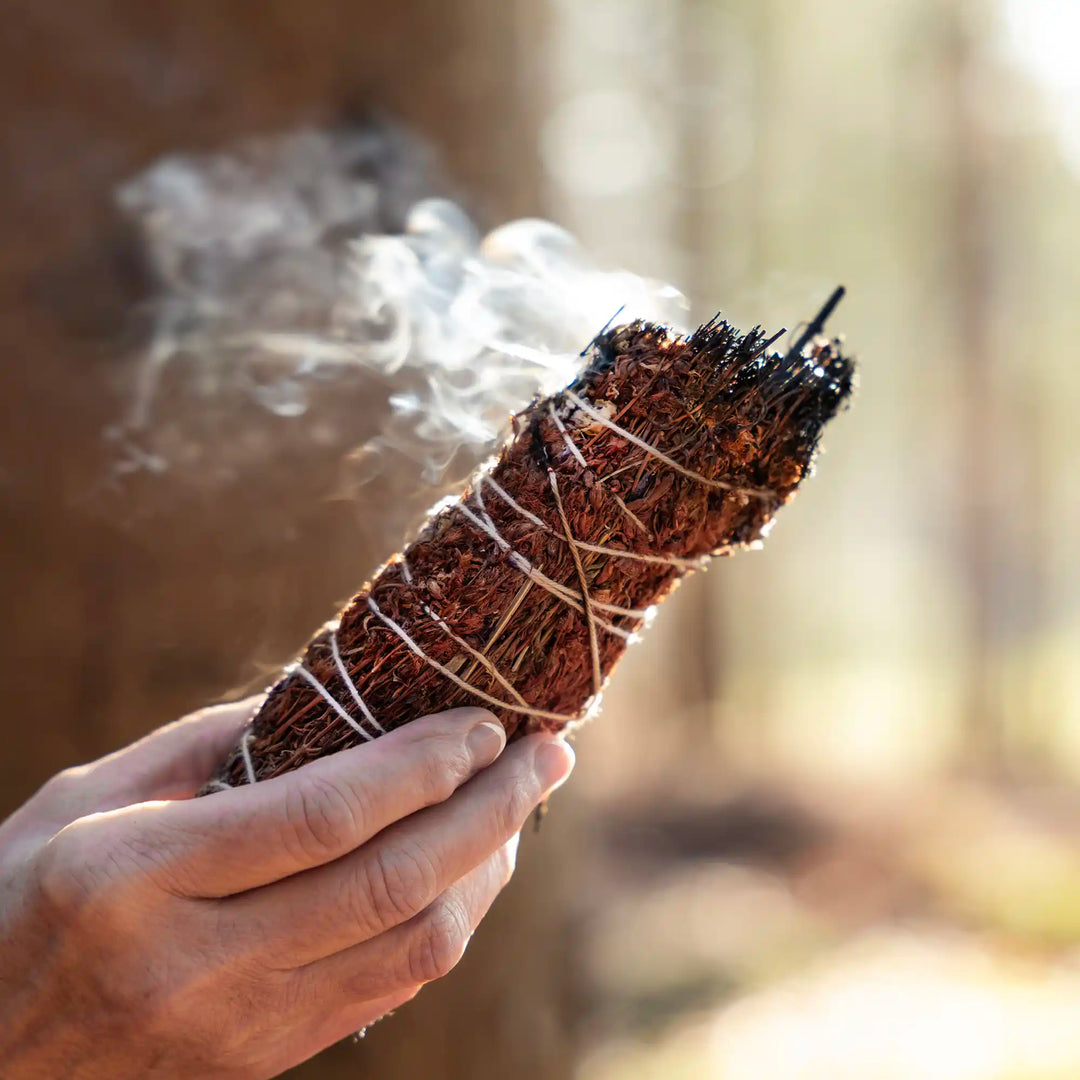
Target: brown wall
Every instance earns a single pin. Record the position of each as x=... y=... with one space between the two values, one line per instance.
x=125 y=606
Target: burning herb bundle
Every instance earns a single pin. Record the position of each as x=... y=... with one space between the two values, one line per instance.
x=523 y=594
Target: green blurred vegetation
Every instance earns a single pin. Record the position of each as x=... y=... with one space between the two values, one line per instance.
x=900 y=666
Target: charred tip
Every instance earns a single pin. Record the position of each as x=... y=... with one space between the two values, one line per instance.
x=741 y=377
x=817 y=323
x=604 y=334
x=765 y=345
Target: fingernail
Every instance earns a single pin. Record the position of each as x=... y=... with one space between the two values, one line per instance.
x=552 y=763
x=486 y=742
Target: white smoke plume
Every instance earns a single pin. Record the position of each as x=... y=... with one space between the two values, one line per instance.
x=280 y=264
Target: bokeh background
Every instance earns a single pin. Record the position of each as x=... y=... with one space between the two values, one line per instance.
x=828 y=824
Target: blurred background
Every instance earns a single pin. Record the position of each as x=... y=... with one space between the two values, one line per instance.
x=828 y=824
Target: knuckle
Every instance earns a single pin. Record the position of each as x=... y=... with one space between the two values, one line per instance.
x=504 y=865
x=67 y=879
x=56 y=876
x=210 y=1041
x=439 y=941
x=396 y=884
x=64 y=781
x=62 y=790
x=85 y=877
x=445 y=765
x=323 y=818
x=519 y=798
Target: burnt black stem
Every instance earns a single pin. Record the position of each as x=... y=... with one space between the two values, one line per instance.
x=817 y=324
x=607 y=327
x=761 y=349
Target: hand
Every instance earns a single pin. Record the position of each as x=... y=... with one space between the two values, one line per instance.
x=144 y=933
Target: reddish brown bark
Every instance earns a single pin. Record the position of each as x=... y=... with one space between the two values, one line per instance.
x=745 y=423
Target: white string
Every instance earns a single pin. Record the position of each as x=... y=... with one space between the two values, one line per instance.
x=521 y=562
x=347 y=678
x=661 y=560
x=245 y=753
x=487 y=478
x=485 y=524
x=476 y=654
x=559 y=591
x=600 y=418
x=570 y=444
x=299 y=669
x=491 y=531
x=599 y=549
x=630 y=513
x=526 y=710
x=586 y=599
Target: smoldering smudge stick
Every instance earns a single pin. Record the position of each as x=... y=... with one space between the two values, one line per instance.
x=523 y=594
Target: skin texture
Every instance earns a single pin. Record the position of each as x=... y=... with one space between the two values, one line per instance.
x=144 y=933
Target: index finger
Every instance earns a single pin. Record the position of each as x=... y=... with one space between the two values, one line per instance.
x=256 y=834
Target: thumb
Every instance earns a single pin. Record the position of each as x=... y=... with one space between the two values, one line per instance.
x=172 y=762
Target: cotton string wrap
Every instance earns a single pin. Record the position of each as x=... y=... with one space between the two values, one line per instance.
x=580 y=602
x=772 y=406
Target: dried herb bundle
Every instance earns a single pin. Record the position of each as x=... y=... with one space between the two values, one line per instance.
x=523 y=594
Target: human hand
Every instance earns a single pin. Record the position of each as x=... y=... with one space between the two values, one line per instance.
x=144 y=933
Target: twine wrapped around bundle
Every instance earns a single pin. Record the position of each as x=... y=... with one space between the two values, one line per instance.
x=522 y=595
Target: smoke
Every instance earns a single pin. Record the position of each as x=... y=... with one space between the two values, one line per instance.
x=291 y=261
